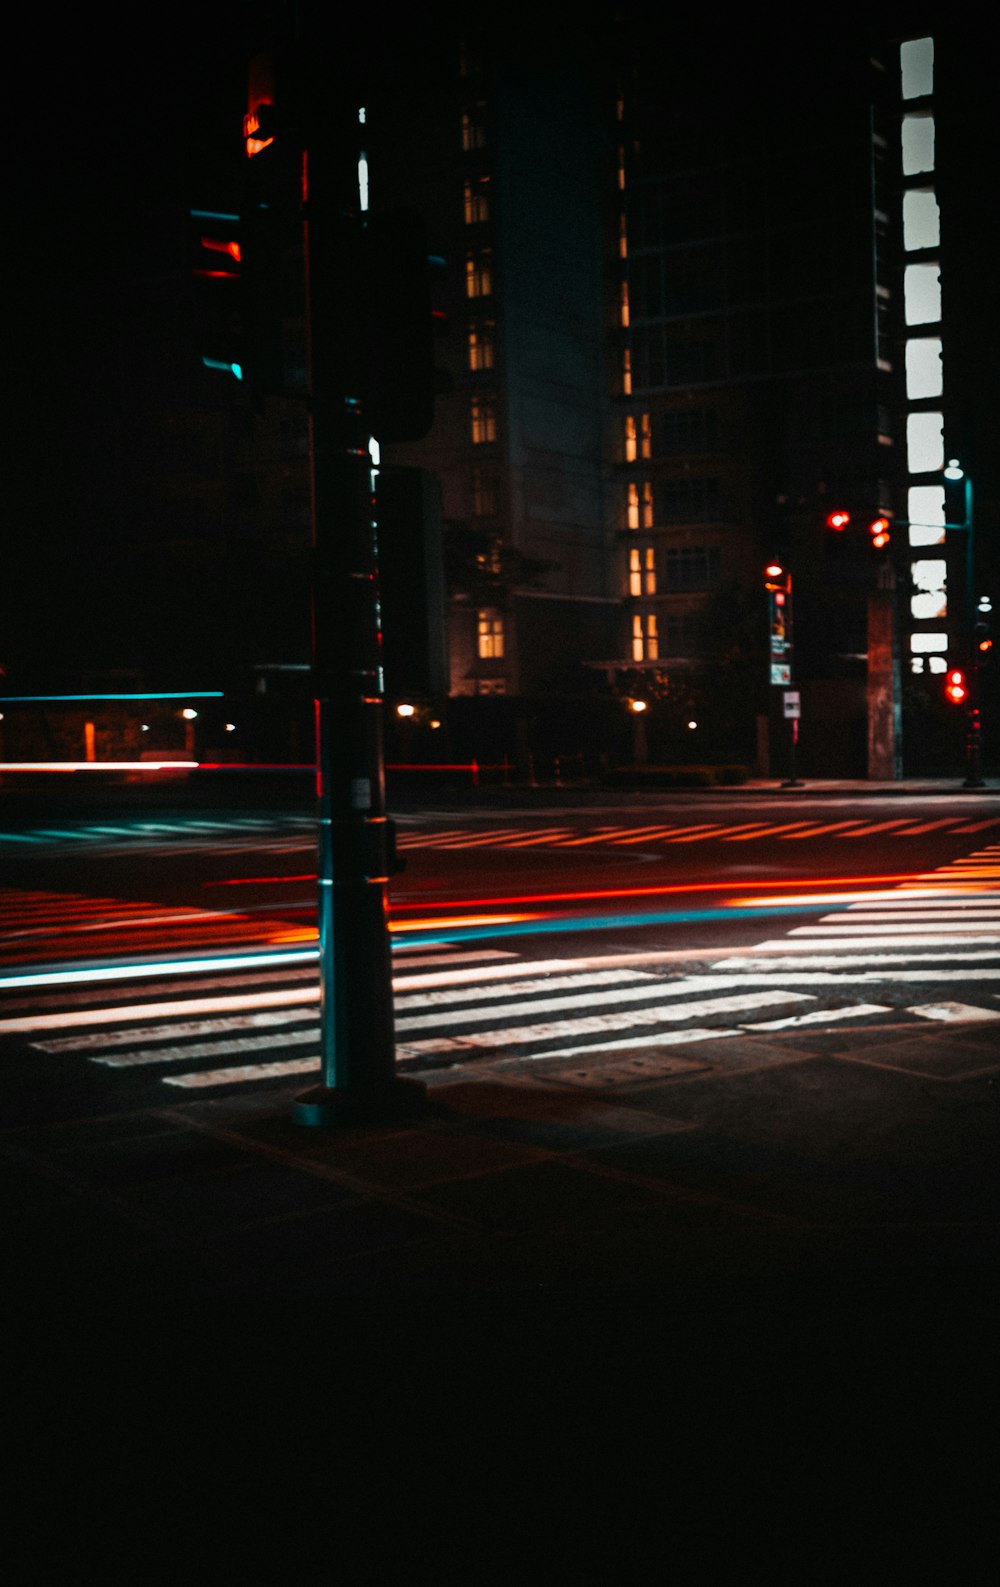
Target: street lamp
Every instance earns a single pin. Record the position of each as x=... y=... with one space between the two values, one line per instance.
x=640 y=748
x=973 y=739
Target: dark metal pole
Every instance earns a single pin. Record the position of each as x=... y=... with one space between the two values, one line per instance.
x=355 y=848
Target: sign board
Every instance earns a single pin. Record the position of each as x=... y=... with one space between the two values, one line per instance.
x=792 y=703
x=781 y=672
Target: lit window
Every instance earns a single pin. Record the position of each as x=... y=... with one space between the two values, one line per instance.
x=621 y=169
x=633 y=506
x=483 y=420
x=489 y=627
x=622 y=238
x=929 y=644
x=641 y=571
x=645 y=436
x=474 y=129
x=922 y=293
x=631 y=447
x=924 y=377
x=477 y=274
x=925 y=505
x=918 y=144
x=477 y=199
x=924 y=442
x=624 y=303
x=929 y=601
x=626 y=372
x=647 y=505
x=480 y=345
x=649 y=570
x=916 y=60
x=645 y=639
x=921 y=218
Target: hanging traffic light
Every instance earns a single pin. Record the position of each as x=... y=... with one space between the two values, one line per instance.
x=838 y=520
x=956 y=690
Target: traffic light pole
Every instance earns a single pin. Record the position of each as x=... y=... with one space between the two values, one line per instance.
x=355 y=848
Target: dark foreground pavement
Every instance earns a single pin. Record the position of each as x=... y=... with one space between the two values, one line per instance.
x=849 y=1170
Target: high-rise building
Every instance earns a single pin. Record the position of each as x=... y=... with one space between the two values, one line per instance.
x=695 y=322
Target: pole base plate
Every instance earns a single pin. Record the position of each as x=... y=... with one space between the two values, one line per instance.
x=325 y=1107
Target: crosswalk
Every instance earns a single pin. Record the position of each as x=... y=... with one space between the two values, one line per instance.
x=179 y=834
x=655 y=835
x=296 y=833
x=926 y=950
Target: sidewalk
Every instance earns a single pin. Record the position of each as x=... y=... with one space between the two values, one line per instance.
x=848 y=1169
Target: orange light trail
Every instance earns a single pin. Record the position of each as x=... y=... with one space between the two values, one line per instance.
x=897 y=878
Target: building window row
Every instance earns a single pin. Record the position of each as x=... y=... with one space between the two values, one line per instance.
x=691 y=499
x=688 y=570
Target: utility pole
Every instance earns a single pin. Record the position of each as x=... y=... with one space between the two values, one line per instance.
x=365 y=282
x=356 y=850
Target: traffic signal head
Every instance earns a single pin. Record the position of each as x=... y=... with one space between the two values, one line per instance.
x=880 y=531
x=838 y=520
x=216 y=269
x=955 y=688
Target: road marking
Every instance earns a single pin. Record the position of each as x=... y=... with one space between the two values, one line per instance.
x=653 y=987
x=600 y=836
x=145 y=1056
x=813 y=831
x=839 y=926
x=543 y=837
x=649 y=834
x=766 y=829
x=663 y=1038
x=524 y=988
x=597 y=1024
x=228 y=1077
x=876 y=826
x=821 y=1016
x=953 y=1011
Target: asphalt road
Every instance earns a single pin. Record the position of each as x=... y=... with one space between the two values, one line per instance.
x=537 y=931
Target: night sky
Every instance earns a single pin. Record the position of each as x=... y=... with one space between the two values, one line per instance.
x=112 y=130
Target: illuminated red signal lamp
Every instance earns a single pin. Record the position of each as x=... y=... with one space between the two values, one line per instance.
x=955 y=689
x=838 y=520
x=879 y=530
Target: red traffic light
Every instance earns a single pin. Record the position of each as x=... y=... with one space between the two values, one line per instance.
x=838 y=520
x=955 y=689
x=879 y=531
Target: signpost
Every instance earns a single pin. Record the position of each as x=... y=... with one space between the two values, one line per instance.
x=779 y=594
